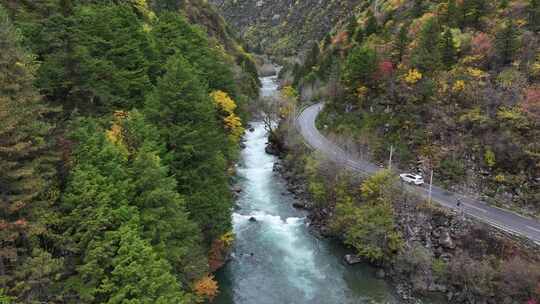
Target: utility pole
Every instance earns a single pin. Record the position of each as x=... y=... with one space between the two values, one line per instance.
x=390 y=160
x=430 y=186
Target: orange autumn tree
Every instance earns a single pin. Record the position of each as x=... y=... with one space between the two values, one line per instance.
x=231 y=121
x=206 y=287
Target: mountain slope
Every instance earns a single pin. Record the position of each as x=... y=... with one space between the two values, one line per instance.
x=282 y=27
x=449 y=85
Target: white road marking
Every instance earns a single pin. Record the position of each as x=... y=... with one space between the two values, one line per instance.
x=474 y=207
x=532 y=228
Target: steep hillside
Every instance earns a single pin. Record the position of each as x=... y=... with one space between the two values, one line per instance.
x=119 y=123
x=282 y=27
x=450 y=85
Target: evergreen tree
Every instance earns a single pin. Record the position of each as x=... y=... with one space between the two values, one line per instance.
x=533 y=10
x=37 y=277
x=174 y=36
x=453 y=15
x=426 y=56
x=359 y=36
x=100 y=61
x=138 y=274
x=372 y=26
x=352 y=24
x=360 y=67
x=112 y=186
x=418 y=8
x=506 y=42
x=448 y=49
x=312 y=58
x=187 y=121
x=96 y=204
x=327 y=41
x=401 y=42
x=25 y=162
x=164 y=219
x=473 y=10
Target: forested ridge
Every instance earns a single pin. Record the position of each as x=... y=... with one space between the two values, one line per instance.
x=119 y=121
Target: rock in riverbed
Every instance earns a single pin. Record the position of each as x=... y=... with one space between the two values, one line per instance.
x=352 y=259
x=299 y=205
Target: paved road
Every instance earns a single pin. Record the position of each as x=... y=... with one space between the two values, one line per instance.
x=502 y=219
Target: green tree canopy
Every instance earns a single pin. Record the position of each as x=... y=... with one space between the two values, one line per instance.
x=187 y=121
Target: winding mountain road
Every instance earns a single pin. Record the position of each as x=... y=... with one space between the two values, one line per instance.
x=497 y=217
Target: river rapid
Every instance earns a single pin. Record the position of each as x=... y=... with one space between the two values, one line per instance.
x=275 y=258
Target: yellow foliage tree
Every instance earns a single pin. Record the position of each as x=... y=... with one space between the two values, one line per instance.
x=413 y=76
x=231 y=121
x=289 y=97
x=206 y=287
x=114 y=135
x=458 y=86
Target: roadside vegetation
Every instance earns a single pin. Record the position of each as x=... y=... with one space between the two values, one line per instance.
x=118 y=125
x=422 y=248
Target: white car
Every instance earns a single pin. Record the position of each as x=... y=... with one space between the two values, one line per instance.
x=412 y=178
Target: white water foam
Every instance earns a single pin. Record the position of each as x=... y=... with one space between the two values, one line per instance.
x=287 y=235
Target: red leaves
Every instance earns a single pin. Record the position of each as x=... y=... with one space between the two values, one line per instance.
x=216 y=256
x=531 y=103
x=385 y=69
x=22 y=223
x=482 y=44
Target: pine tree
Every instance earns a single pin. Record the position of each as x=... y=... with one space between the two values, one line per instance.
x=473 y=10
x=506 y=42
x=312 y=58
x=359 y=36
x=418 y=8
x=360 y=67
x=138 y=274
x=24 y=161
x=95 y=203
x=163 y=217
x=401 y=42
x=327 y=41
x=187 y=121
x=372 y=26
x=426 y=56
x=533 y=10
x=451 y=16
x=99 y=61
x=447 y=49
x=174 y=36
x=352 y=24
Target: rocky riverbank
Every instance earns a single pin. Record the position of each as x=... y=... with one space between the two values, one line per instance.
x=442 y=248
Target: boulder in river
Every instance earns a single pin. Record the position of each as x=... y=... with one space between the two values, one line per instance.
x=352 y=259
x=270 y=149
x=299 y=205
x=252 y=219
x=237 y=189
